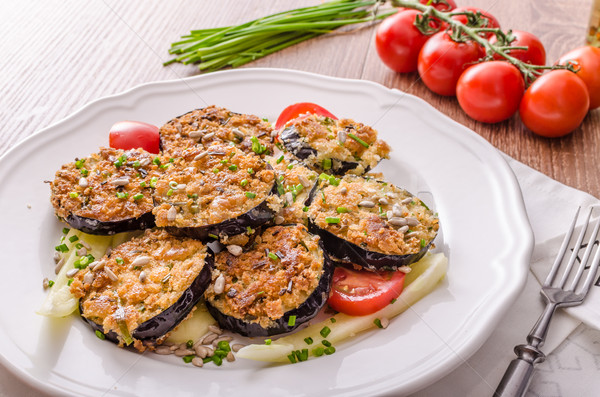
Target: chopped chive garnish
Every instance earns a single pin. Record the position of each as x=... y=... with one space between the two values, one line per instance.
x=250 y=171
x=273 y=256
x=213 y=236
x=153 y=181
x=233 y=167
x=257 y=147
x=215 y=170
x=122 y=195
x=119 y=260
x=329 y=350
x=333 y=320
x=73 y=194
x=292 y=321
x=308 y=340
x=70 y=282
x=156 y=161
x=170 y=192
x=224 y=345
x=244 y=182
x=79 y=246
x=318 y=351
x=326 y=165
x=50 y=283
x=325 y=342
x=305 y=209
x=280 y=159
x=331 y=220
x=143 y=184
x=302 y=355
x=357 y=139
x=225 y=161
x=292 y=358
x=65 y=230
x=136 y=164
x=423 y=242
x=138 y=196
x=325 y=331
x=79 y=163
x=267 y=341
x=377 y=323
x=393 y=301
x=73 y=239
x=193 y=196
x=341 y=210
x=84 y=172
x=188 y=359
x=100 y=335
x=250 y=195
x=62 y=248
x=290 y=166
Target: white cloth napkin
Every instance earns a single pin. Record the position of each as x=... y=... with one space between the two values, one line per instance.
x=551 y=207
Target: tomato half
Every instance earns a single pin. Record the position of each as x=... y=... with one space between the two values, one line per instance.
x=442 y=61
x=134 y=134
x=489 y=20
x=398 y=41
x=490 y=91
x=555 y=104
x=297 y=109
x=535 y=53
x=358 y=293
x=587 y=61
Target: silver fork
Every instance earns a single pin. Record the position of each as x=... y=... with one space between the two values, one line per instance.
x=518 y=374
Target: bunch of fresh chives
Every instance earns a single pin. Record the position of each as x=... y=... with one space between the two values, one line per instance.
x=232 y=46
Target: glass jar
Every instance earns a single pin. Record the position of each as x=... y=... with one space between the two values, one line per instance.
x=593 y=35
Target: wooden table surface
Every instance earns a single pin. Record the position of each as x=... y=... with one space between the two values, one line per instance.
x=58 y=55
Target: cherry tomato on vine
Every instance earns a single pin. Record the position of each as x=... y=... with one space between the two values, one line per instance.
x=442 y=61
x=490 y=91
x=398 y=41
x=360 y=292
x=555 y=104
x=134 y=134
x=448 y=6
x=489 y=20
x=587 y=61
x=535 y=53
x=298 y=109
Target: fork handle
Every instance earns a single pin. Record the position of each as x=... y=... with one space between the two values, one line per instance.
x=516 y=379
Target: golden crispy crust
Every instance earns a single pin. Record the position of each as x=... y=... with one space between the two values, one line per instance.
x=261 y=289
x=110 y=185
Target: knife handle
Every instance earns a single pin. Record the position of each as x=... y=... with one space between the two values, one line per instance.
x=516 y=379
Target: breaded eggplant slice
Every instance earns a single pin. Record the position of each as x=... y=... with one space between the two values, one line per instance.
x=215 y=192
x=203 y=127
x=371 y=223
x=294 y=184
x=144 y=288
x=107 y=192
x=278 y=282
x=334 y=146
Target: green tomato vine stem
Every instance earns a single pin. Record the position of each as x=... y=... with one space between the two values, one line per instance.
x=461 y=32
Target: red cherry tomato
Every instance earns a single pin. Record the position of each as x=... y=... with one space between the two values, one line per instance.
x=442 y=61
x=358 y=293
x=297 y=109
x=398 y=41
x=587 y=61
x=134 y=134
x=491 y=91
x=535 y=53
x=448 y=6
x=490 y=20
x=555 y=104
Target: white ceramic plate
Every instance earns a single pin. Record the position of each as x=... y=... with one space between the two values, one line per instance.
x=486 y=236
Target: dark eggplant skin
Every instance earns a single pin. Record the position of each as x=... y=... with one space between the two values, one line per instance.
x=292 y=142
x=345 y=251
x=306 y=311
x=105 y=228
x=151 y=331
x=256 y=217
